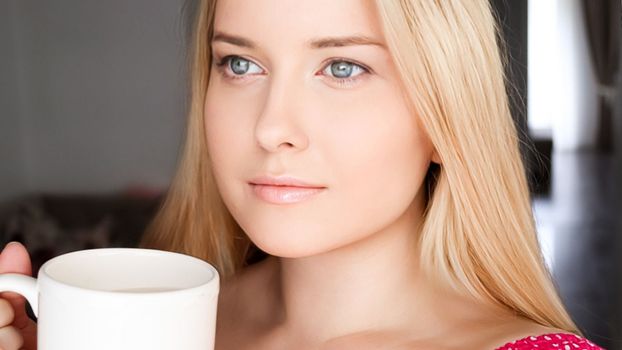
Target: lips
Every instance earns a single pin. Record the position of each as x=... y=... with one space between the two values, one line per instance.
x=284 y=189
x=283 y=181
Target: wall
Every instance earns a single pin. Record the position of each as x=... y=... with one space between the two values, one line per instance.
x=103 y=93
x=12 y=167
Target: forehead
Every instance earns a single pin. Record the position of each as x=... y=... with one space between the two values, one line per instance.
x=295 y=22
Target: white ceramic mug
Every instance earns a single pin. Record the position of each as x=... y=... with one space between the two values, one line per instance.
x=122 y=299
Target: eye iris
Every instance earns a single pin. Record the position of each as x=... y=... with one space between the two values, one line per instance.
x=341 y=69
x=239 y=65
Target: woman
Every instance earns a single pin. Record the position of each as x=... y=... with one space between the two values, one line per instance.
x=352 y=170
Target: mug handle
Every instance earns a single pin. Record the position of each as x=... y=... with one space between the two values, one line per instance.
x=21 y=284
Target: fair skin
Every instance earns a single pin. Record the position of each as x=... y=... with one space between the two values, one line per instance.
x=343 y=271
x=17 y=331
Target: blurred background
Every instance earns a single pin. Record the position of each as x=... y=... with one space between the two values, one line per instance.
x=92 y=113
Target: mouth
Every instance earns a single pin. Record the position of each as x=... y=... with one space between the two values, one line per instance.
x=284 y=190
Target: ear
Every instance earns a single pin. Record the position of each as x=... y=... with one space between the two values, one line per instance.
x=435 y=157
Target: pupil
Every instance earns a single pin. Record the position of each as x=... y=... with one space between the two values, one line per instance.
x=341 y=69
x=239 y=66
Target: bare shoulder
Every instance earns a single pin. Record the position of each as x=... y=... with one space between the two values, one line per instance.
x=485 y=335
x=514 y=330
x=245 y=300
x=382 y=340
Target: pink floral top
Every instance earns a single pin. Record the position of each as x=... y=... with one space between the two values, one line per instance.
x=552 y=341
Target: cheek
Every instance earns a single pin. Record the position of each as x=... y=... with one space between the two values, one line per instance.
x=382 y=159
x=228 y=133
x=229 y=142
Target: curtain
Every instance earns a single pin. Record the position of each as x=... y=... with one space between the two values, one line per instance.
x=603 y=25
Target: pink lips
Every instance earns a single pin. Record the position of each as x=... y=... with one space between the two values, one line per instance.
x=283 y=190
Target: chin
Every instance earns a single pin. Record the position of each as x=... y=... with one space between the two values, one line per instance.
x=289 y=244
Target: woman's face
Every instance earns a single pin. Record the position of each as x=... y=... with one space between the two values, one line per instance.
x=295 y=98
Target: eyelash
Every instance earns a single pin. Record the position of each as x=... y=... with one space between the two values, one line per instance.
x=222 y=66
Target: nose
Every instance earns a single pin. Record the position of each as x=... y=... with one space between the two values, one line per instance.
x=279 y=124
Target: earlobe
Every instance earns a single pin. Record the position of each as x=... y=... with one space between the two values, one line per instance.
x=435 y=158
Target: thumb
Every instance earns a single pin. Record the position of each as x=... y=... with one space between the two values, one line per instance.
x=15 y=259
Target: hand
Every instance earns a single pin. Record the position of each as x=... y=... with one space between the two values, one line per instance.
x=17 y=330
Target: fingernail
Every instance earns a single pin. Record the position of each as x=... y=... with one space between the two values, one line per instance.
x=8 y=244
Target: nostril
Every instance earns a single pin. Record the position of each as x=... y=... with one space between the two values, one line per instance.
x=272 y=136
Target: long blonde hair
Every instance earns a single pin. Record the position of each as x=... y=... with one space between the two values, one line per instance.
x=478 y=233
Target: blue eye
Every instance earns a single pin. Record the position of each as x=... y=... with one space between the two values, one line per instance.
x=340 y=71
x=344 y=69
x=238 y=65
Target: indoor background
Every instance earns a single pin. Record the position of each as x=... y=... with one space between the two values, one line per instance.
x=92 y=113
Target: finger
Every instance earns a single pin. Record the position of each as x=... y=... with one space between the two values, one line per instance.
x=29 y=334
x=17 y=303
x=14 y=258
x=6 y=313
x=10 y=338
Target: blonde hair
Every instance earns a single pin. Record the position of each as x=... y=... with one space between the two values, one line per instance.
x=478 y=233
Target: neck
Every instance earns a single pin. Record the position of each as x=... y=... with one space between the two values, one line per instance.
x=373 y=284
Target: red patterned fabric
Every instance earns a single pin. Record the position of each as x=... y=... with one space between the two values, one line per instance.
x=552 y=341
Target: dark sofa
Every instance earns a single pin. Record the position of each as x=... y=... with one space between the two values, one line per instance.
x=53 y=224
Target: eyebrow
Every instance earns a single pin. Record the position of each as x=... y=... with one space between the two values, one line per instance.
x=319 y=43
